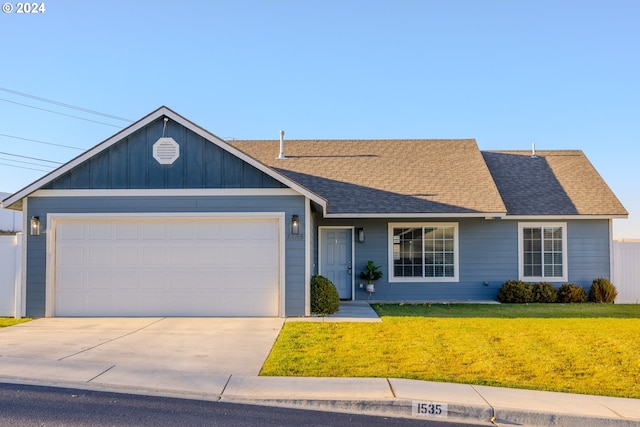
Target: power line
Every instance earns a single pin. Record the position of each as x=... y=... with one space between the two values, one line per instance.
x=50 y=101
x=26 y=163
x=32 y=158
x=23 y=167
x=57 y=112
x=42 y=142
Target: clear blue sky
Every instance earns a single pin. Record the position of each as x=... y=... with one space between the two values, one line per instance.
x=562 y=74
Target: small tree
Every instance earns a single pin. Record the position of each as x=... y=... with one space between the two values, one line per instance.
x=602 y=290
x=515 y=292
x=570 y=293
x=324 y=296
x=544 y=292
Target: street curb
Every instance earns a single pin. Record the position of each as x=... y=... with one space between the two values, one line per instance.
x=533 y=418
x=396 y=408
x=387 y=408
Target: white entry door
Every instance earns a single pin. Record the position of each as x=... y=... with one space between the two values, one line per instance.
x=167 y=267
x=336 y=259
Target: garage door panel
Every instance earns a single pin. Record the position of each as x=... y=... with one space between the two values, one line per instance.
x=154 y=230
x=167 y=267
x=126 y=230
x=99 y=255
x=126 y=255
x=71 y=255
x=99 y=231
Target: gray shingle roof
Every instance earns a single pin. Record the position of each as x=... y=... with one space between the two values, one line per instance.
x=558 y=182
x=386 y=176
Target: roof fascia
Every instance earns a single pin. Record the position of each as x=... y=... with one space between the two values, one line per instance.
x=417 y=215
x=563 y=217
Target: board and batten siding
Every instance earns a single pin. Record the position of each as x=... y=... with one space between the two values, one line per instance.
x=290 y=205
x=129 y=164
x=488 y=257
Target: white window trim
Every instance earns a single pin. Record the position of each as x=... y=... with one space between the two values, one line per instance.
x=565 y=265
x=456 y=252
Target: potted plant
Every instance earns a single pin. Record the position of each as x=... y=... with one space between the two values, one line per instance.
x=370 y=274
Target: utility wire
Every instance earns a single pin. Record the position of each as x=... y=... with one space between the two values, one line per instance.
x=32 y=158
x=50 y=101
x=42 y=142
x=23 y=167
x=62 y=114
x=27 y=163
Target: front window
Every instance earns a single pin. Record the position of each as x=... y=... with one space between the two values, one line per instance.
x=423 y=252
x=542 y=252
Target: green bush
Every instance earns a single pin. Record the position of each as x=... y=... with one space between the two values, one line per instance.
x=544 y=292
x=570 y=293
x=515 y=291
x=602 y=290
x=324 y=296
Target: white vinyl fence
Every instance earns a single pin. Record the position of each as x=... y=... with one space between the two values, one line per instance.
x=10 y=263
x=626 y=271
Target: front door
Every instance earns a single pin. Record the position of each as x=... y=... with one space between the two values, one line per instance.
x=335 y=259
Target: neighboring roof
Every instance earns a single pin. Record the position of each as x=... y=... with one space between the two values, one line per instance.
x=387 y=176
x=558 y=182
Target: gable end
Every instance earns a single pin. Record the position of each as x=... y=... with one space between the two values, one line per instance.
x=137 y=162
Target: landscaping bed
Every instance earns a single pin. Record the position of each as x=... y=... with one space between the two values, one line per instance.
x=577 y=348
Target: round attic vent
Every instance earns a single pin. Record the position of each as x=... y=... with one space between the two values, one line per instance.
x=166 y=151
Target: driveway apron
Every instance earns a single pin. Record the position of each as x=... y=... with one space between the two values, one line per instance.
x=212 y=346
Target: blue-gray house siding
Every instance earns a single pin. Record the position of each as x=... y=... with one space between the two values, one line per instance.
x=488 y=256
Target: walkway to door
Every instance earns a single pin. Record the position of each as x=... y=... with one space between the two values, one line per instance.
x=350 y=311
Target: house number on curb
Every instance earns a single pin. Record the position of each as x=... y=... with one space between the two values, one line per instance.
x=429 y=409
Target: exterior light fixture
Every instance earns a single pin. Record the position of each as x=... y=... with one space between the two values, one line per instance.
x=295 y=224
x=34 y=226
x=360 y=233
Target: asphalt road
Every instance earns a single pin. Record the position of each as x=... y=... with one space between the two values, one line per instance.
x=25 y=406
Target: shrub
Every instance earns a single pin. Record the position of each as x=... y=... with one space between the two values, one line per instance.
x=544 y=292
x=569 y=293
x=515 y=291
x=602 y=290
x=324 y=296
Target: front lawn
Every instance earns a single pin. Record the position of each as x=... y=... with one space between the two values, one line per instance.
x=577 y=348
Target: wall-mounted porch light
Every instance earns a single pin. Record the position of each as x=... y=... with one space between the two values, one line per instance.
x=360 y=234
x=34 y=226
x=295 y=224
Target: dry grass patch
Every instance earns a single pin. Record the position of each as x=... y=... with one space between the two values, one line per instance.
x=592 y=355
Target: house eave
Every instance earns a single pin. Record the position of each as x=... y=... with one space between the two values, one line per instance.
x=564 y=217
x=417 y=215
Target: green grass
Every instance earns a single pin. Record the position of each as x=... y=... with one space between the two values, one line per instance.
x=581 y=348
x=9 y=321
x=511 y=311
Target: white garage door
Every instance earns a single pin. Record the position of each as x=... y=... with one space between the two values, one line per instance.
x=167 y=267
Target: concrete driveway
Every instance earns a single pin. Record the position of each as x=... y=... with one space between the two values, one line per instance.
x=137 y=351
